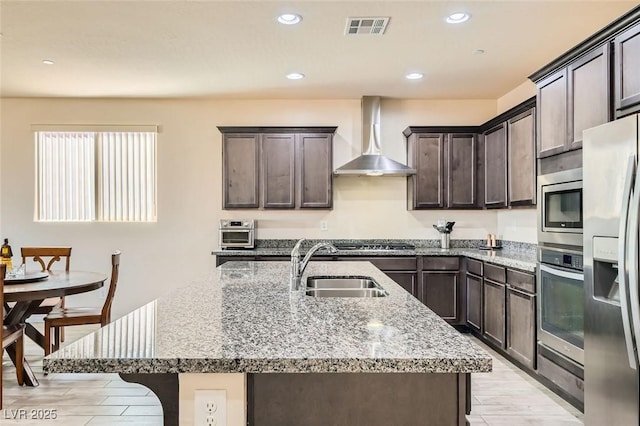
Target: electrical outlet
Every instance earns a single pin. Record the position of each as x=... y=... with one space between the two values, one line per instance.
x=210 y=407
x=324 y=225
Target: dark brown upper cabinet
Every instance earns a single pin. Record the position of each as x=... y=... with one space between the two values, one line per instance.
x=552 y=114
x=573 y=99
x=426 y=155
x=461 y=170
x=240 y=170
x=495 y=167
x=627 y=71
x=277 y=167
x=522 y=159
x=589 y=93
x=315 y=157
x=278 y=155
x=446 y=169
x=467 y=167
x=601 y=80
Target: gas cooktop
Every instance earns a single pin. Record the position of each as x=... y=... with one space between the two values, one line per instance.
x=383 y=246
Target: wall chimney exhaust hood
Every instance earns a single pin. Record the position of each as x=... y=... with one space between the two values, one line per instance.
x=372 y=162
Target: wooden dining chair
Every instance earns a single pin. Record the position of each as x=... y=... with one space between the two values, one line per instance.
x=62 y=317
x=10 y=335
x=47 y=258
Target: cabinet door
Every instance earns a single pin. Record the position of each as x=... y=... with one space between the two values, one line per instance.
x=521 y=326
x=495 y=167
x=552 y=114
x=315 y=156
x=278 y=170
x=474 y=301
x=461 y=176
x=589 y=100
x=494 y=312
x=408 y=280
x=240 y=183
x=522 y=159
x=440 y=293
x=627 y=64
x=428 y=155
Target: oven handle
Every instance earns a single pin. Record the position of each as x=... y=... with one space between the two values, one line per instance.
x=632 y=259
x=562 y=273
x=622 y=261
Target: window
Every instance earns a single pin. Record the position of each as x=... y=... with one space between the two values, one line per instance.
x=106 y=175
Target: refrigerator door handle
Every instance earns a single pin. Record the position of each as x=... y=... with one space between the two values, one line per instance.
x=622 y=261
x=632 y=259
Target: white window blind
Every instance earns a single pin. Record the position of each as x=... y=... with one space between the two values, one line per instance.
x=66 y=176
x=87 y=175
x=126 y=182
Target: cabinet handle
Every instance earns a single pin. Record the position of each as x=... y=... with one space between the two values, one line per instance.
x=495 y=283
x=520 y=292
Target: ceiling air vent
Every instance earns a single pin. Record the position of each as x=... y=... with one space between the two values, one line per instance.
x=366 y=26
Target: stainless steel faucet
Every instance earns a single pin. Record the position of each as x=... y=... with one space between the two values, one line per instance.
x=298 y=266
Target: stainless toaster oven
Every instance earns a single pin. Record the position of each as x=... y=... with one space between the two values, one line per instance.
x=237 y=233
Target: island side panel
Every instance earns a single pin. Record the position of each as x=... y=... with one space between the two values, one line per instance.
x=357 y=399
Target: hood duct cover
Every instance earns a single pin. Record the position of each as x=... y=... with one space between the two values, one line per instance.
x=372 y=162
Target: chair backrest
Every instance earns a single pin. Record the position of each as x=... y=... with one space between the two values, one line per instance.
x=105 y=316
x=3 y=271
x=50 y=254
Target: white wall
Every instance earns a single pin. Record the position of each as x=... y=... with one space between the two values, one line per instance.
x=158 y=257
x=519 y=94
x=518 y=225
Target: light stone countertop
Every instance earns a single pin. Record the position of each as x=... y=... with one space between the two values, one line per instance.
x=509 y=258
x=243 y=318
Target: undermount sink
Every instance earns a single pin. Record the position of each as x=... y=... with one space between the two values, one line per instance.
x=341 y=282
x=344 y=287
x=346 y=292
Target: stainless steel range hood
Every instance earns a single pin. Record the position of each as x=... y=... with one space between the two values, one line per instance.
x=372 y=162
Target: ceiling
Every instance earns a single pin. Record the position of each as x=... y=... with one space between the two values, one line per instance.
x=236 y=49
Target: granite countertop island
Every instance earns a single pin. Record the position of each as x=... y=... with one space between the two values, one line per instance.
x=243 y=318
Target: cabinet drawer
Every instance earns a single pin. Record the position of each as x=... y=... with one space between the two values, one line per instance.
x=521 y=280
x=387 y=263
x=440 y=263
x=474 y=267
x=495 y=273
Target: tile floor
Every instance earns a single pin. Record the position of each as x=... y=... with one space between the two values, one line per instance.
x=505 y=397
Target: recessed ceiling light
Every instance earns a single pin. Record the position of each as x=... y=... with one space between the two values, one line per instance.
x=48 y=62
x=414 y=76
x=295 y=75
x=458 y=18
x=289 y=18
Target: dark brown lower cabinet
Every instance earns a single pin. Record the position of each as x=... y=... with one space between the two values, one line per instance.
x=494 y=298
x=474 y=301
x=440 y=293
x=521 y=326
x=408 y=280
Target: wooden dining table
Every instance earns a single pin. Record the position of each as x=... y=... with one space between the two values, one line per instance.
x=29 y=295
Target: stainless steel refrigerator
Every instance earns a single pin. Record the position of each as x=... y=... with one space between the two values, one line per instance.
x=611 y=203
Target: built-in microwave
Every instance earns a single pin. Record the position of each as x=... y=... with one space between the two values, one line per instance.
x=560 y=214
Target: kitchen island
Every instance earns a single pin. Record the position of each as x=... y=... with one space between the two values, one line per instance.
x=297 y=359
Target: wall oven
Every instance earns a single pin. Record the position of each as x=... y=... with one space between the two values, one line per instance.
x=561 y=302
x=236 y=234
x=560 y=212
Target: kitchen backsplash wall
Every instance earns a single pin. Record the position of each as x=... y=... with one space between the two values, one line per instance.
x=370 y=207
x=518 y=225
